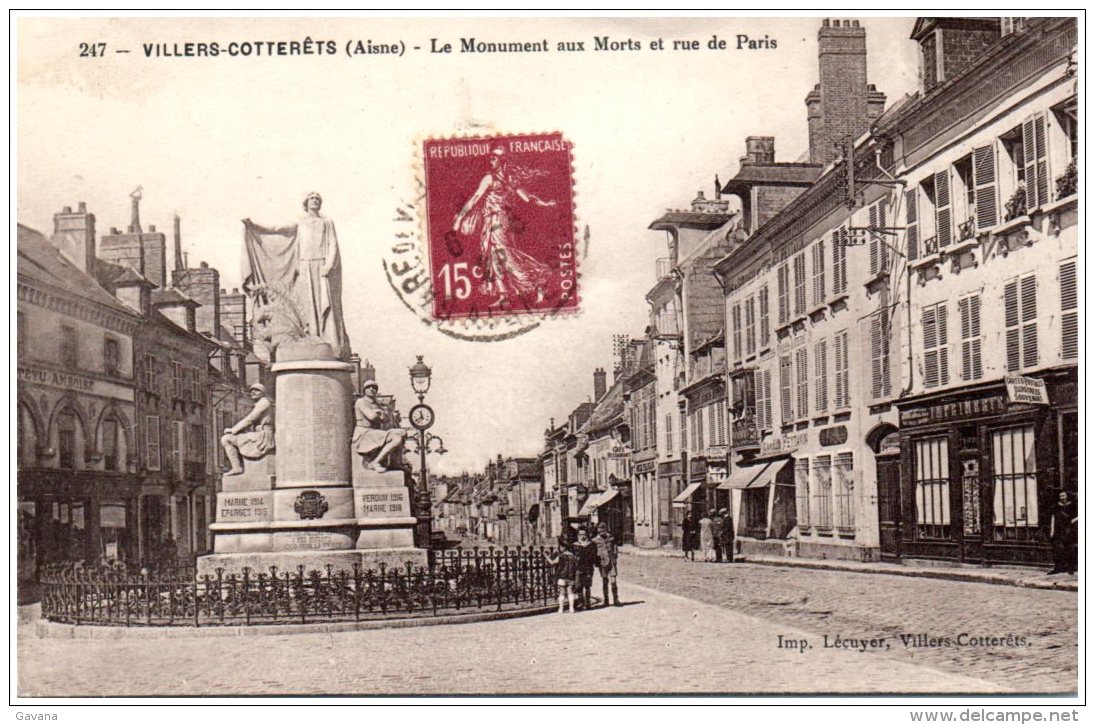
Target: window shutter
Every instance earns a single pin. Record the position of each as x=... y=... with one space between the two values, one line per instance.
x=764 y=331
x=768 y=399
x=876 y=356
x=874 y=239
x=931 y=355
x=152 y=442
x=750 y=327
x=840 y=355
x=912 y=229
x=818 y=254
x=802 y=402
x=800 y=283
x=943 y=232
x=969 y=312
x=1028 y=309
x=1011 y=325
x=984 y=184
x=840 y=269
x=782 y=282
x=785 y=389
x=821 y=377
x=1035 y=168
x=1070 y=341
x=941 y=333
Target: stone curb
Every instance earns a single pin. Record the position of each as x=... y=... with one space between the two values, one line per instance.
x=962 y=575
x=44 y=629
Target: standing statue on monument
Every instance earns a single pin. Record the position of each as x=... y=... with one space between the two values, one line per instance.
x=253 y=436
x=374 y=437
x=293 y=275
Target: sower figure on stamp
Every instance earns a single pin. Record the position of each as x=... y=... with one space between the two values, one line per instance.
x=253 y=436
x=374 y=438
x=488 y=215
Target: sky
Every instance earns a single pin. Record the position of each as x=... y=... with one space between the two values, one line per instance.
x=216 y=140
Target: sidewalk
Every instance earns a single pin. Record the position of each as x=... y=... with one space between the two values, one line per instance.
x=1002 y=575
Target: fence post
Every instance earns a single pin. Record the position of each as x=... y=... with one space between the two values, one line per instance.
x=194 y=597
x=246 y=593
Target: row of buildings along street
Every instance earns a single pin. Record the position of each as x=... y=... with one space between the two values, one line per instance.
x=866 y=353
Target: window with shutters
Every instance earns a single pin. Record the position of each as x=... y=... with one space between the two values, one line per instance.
x=843 y=395
x=783 y=281
x=750 y=326
x=985 y=204
x=844 y=487
x=195 y=385
x=802 y=492
x=785 y=403
x=969 y=313
x=880 y=355
x=1070 y=331
x=149 y=372
x=800 y=284
x=762 y=382
x=1036 y=162
x=1014 y=483
x=840 y=260
x=964 y=200
x=802 y=387
x=822 y=490
x=669 y=432
x=765 y=330
x=821 y=376
x=1020 y=323
x=152 y=442
x=817 y=257
x=178 y=387
x=736 y=328
x=931 y=475
x=934 y=329
x=1067 y=122
x=912 y=227
x=879 y=251
x=684 y=430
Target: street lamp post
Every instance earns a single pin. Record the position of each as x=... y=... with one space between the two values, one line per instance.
x=422 y=418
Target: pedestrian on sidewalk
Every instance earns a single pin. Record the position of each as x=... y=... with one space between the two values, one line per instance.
x=1063 y=533
x=726 y=535
x=566 y=573
x=690 y=536
x=716 y=530
x=586 y=552
x=707 y=537
x=607 y=554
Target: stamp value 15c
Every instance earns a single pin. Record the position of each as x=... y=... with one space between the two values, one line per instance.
x=500 y=225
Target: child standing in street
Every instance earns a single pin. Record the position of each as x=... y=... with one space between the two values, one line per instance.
x=566 y=572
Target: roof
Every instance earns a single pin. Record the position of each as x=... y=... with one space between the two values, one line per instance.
x=172 y=296
x=699 y=219
x=609 y=408
x=42 y=262
x=778 y=174
x=129 y=276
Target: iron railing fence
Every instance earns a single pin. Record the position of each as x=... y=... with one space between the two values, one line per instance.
x=458 y=580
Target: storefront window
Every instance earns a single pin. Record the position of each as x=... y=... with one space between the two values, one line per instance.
x=110 y=445
x=844 y=483
x=112 y=530
x=1014 y=483
x=933 y=507
x=823 y=491
x=802 y=493
x=66 y=440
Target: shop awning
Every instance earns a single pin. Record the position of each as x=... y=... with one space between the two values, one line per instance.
x=682 y=498
x=594 y=502
x=754 y=476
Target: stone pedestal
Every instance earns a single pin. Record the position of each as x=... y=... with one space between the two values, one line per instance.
x=305 y=505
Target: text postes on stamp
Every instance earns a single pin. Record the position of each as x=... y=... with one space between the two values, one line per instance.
x=500 y=225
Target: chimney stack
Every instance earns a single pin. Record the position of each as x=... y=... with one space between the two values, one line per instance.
x=135 y=212
x=74 y=237
x=760 y=150
x=841 y=104
x=179 y=266
x=600 y=380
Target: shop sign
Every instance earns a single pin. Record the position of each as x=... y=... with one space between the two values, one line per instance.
x=777 y=445
x=71 y=381
x=834 y=436
x=670 y=468
x=646 y=467
x=1022 y=389
x=941 y=412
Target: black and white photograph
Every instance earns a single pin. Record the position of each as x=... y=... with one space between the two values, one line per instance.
x=733 y=359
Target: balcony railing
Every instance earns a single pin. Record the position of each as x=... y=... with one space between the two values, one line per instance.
x=663 y=267
x=743 y=432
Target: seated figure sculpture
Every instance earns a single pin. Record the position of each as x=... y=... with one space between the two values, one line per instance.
x=253 y=436
x=375 y=436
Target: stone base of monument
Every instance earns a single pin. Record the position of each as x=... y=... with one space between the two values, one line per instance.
x=367 y=523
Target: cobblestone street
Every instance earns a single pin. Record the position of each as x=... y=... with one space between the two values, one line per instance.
x=719 y=631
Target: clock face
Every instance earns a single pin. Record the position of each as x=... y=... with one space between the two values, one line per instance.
x=421 y=416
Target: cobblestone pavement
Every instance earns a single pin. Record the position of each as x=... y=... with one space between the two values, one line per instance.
x=659 y=642
x=859 y=606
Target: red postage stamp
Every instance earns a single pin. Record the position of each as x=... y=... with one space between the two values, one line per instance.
x=500 y=225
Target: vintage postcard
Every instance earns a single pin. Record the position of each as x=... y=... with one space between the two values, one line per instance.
x=410 y=356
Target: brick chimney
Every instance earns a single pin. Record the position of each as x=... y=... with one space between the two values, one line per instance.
x=74 y=237
x=233 y=314
x=203 y=286
x=841 y=104
x=600 y=384
x=759 y=150
x=950 y=45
